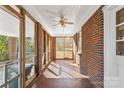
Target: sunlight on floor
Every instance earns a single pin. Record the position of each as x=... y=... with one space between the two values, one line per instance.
x=63 y=69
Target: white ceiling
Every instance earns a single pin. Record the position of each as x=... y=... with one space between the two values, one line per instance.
x=46 y=14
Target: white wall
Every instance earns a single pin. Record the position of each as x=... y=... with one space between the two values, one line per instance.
x=113 y=70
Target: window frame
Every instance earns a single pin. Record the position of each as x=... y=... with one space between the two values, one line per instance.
x=64 y=57
x=15 y=14
x=35 y=38
x=21 y=16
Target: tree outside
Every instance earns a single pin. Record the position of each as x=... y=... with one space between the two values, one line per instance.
x=3 y=48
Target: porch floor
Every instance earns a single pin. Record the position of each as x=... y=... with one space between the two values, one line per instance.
x=62 y=74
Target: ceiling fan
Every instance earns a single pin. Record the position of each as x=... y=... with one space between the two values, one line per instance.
x=63 y=21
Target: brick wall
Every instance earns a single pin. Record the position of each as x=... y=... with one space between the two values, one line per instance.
x=92 y=53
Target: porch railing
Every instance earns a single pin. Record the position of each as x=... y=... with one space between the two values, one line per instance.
x=9 y=71
x=9 y=74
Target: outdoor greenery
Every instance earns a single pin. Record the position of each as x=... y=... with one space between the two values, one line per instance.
x=3 y=48
x=29 y=45
x=29 y=42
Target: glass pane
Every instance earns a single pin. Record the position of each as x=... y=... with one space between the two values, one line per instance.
x=9 y=51
x=64 y=48
x=13 y=83
x=80 y=42
x=59 y=48
x=47 y=49
x=120 y=16
x=12 y=70
x=30 y=48
x=120 y=48
x=43 y=57
x=120 y=32
x=68 y=48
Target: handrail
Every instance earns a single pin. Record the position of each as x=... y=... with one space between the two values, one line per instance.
x=10 y=62
x=5 y=66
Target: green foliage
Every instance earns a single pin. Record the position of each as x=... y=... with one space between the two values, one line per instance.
x=29 y=44
x=3 y=48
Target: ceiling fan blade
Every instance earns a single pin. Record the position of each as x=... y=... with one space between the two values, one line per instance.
x=68 y=22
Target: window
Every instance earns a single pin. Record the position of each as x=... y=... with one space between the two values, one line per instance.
x=47 y=49
x=59 y=48
x=9 y=50
x=64 y=48
x=120 y=16
x=11 y=62
x=43 y=50
x=79 y=40
x=46 y=55
x=30 y=48
x=120 y=32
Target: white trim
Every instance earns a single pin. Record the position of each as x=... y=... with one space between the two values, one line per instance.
x=109 y=48
x=113 y=76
